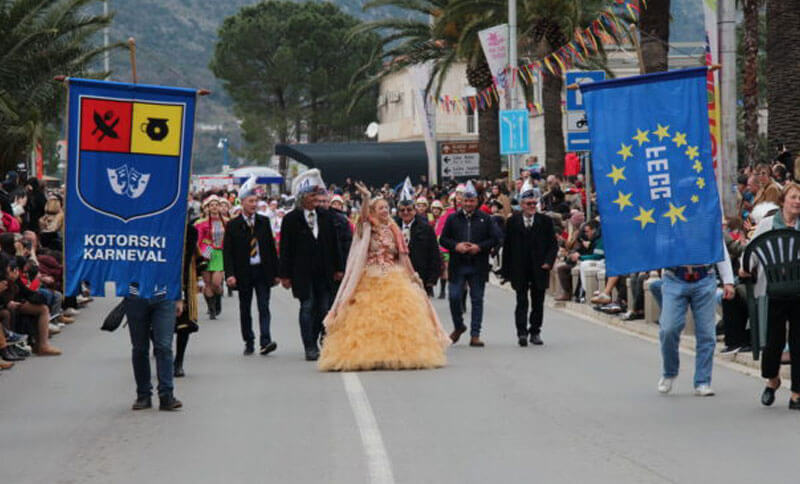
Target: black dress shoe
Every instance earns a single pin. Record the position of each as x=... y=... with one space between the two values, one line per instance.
x=522 y=341
x=142 y=403
x=8 y=354
x=794 y=404
x=268 y=348
x=169 y=403
x=249 y=349
x=312 y=354
x=536 y=340
x=768 y=396
x=179 y=373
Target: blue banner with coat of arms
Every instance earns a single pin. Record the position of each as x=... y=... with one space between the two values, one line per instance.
x=128 y=168
x=653 y=171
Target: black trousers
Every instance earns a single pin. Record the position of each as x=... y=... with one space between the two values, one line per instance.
x=734 y=317
x=779 y=313
x=521 y=317
x=261 y=286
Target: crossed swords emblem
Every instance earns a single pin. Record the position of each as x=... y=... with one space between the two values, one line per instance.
x=105 y=125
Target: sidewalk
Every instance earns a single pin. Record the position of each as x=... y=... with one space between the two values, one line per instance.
x=742 y=362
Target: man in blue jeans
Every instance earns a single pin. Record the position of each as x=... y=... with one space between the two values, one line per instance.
x=154 y=319
x=695 y=287
x=469 y=234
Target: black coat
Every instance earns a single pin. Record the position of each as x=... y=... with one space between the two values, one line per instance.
x=299 y=251
x=423 y=250
x=236 y=249
x=344 y=233
x=480 y=230
x=524 y=254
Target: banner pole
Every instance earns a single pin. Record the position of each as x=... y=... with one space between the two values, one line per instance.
x=132 y=48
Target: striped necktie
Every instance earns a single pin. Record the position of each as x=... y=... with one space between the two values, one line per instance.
x=253 y=241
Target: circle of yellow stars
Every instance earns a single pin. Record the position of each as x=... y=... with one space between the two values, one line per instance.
x=675 y=213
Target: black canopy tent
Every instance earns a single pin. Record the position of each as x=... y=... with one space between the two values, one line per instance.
x=373 y=163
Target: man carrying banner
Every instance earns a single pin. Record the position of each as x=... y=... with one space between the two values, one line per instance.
x=310 y=260
x=251 y=264
x=656 y=192
x=529 y=251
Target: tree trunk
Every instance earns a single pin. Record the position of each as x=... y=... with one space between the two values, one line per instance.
x=553 y=123
x=479 y=76
x=750 y=80
x=783 y=73
x=489 y=141
x=654 y=27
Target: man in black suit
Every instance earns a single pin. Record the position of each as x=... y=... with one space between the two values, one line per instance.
x=423 y=248
x=529 y=252
x=251 y=263
x=310 y=260
x=469 y=234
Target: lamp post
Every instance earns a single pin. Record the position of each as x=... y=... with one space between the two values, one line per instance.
x=223 y=145
x=512 y=64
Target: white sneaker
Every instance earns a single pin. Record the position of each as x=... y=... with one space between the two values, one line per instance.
x=54 y=329
x=71 y=312
x=704 y=391
x=665 y=384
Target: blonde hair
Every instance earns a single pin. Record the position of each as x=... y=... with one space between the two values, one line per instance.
x=789 y=187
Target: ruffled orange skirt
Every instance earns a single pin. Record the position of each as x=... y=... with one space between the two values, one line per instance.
x=385 y=325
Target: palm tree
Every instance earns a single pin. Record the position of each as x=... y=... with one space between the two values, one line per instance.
x=783 y=73
x=544 y=27
x=39 y=39
x=654 y=27
x=750 y=9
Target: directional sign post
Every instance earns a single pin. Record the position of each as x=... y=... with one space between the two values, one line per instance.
x=577 y=128
x=514 y=137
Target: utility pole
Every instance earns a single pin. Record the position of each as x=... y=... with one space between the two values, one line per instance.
x=727 y=56
x=513 y=160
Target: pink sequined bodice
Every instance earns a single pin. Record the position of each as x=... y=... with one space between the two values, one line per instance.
x=382 y=248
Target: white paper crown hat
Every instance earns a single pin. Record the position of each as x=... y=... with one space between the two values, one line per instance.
x=527 y=190
x=407 y=192
x=248 y=188
x=307 y=182
x=469 y=190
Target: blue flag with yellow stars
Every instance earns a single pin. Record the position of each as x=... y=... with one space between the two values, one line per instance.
x=653 y=172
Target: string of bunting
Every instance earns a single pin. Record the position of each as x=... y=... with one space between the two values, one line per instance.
x=585 y=44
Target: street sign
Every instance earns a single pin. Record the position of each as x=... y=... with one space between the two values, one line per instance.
x=514 y=136
x=577 y=127
x=574 y=96
x=459 y=160
x=576 y=122
x=577 y=141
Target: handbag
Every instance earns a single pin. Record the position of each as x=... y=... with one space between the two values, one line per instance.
x=114 y=319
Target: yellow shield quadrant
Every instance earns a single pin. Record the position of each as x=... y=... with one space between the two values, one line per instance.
x=156 y=129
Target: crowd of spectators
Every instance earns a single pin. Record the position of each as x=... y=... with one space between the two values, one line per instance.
x=32 y=307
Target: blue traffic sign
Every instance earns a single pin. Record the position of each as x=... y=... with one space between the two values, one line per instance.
x=578 y=141
x=514 y=132
x=574 y=96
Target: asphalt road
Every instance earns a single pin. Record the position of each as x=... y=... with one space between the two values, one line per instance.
x=582 y=408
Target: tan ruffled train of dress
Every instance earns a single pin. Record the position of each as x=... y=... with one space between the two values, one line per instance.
x=386 y=324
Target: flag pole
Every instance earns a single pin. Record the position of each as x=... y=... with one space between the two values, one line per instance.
x=132 y=48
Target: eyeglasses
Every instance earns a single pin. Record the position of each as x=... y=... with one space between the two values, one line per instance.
x=405 y=209
x=528 y=203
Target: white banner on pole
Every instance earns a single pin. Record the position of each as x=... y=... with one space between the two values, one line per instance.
x=420 y=76
x=494 y=41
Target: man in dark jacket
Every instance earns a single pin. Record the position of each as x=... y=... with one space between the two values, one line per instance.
x=469 y=235
x=344 y=233
x=310 y=262
x=423 y=249
x=529 y=252
x=251 y=263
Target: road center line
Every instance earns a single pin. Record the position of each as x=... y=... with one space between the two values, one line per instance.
x=380 y=469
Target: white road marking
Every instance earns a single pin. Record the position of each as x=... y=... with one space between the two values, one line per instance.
x=380 y=468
